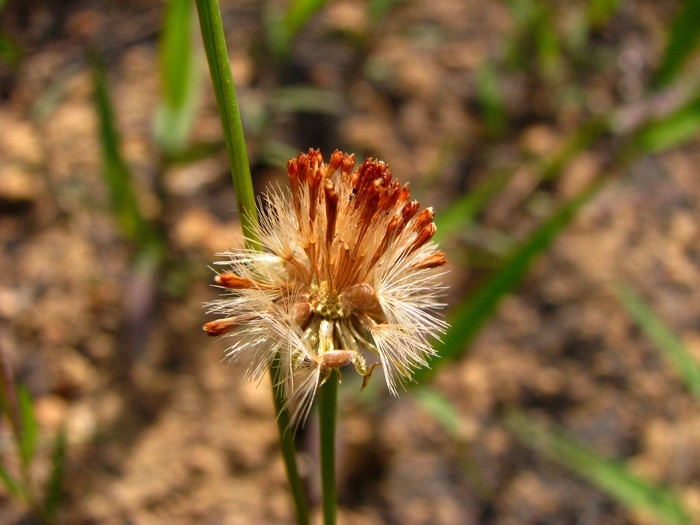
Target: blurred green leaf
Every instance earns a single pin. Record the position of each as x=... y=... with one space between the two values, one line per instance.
x=282 y=27
x=28 y=434
x=440 y=408
x=53 y=495
x=477 y=308
x=600 y=11
x=180 y=78
x=116 y=172
x=277 y=154
x=611 y=476
x=580 y=140
x=683 y=38
x=10 y=52
x=378 y=9
x=673 y=130
x=8 y=395
x=490 y=100
x=11 y=485
x=535 y=38
x=298 y=13
x=665 y=339
x=307 y=99
x=463 y=211
x=548 y=48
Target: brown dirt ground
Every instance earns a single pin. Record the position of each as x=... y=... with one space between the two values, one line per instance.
x=161 y=431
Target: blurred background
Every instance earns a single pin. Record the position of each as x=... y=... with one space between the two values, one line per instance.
x=557 y=142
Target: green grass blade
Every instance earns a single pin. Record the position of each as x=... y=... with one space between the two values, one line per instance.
x=490 y=100
x=463 y=211
x=53 y=494
x=600 y=11
x=298 y=13
x=440 y=408
x=275 y=153
x=10 y=484
x=581 y=139
x=296 y=99
x=476 y=309
x=282 y=27
x=684 y=35
x=611 y=476
x=378 y=9
x=671 y=131
x=115 y=169
x=28 y=434
x=179 y=78
x=8 y=396
x=658 y=332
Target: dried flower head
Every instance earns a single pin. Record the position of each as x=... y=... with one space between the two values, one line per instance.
x=347 y=265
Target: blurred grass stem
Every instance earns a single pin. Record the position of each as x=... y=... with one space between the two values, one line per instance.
x=220 y=69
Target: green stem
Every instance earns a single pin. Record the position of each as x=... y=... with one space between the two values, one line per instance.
x=222 y=80
x=220 y=69
x=287 y=444
x=327 y=402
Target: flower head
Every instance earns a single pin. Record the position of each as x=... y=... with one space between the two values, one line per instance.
x=346 y=266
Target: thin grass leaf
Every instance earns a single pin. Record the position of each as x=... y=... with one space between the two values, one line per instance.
x=549 y=51
x=450 y=419
x=476 y=309
x=277 y=154
x=600 y=11
x=580 y=140
x=611 y=476
x=665 y=339
x=115 y=169
x=298 y=14
x=463 y=211
x=378 y=9
x=671 y=131
x=180 y=78
x=10 y=484
x=53 y=495
x=296 y=99
x=439 y=407
x=8 y=396
x=10 y=52
x=282 y=27
x=28 y=434
x=490 y=100
x=684 y=35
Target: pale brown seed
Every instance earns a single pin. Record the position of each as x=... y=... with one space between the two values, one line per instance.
x=431 y=261
x=361 y=297
x=336 y=359
x=220 y=326
x=302 y=313
x=236 y=282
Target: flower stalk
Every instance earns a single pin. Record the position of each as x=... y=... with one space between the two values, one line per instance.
x=222 y=80
x=327 y=408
